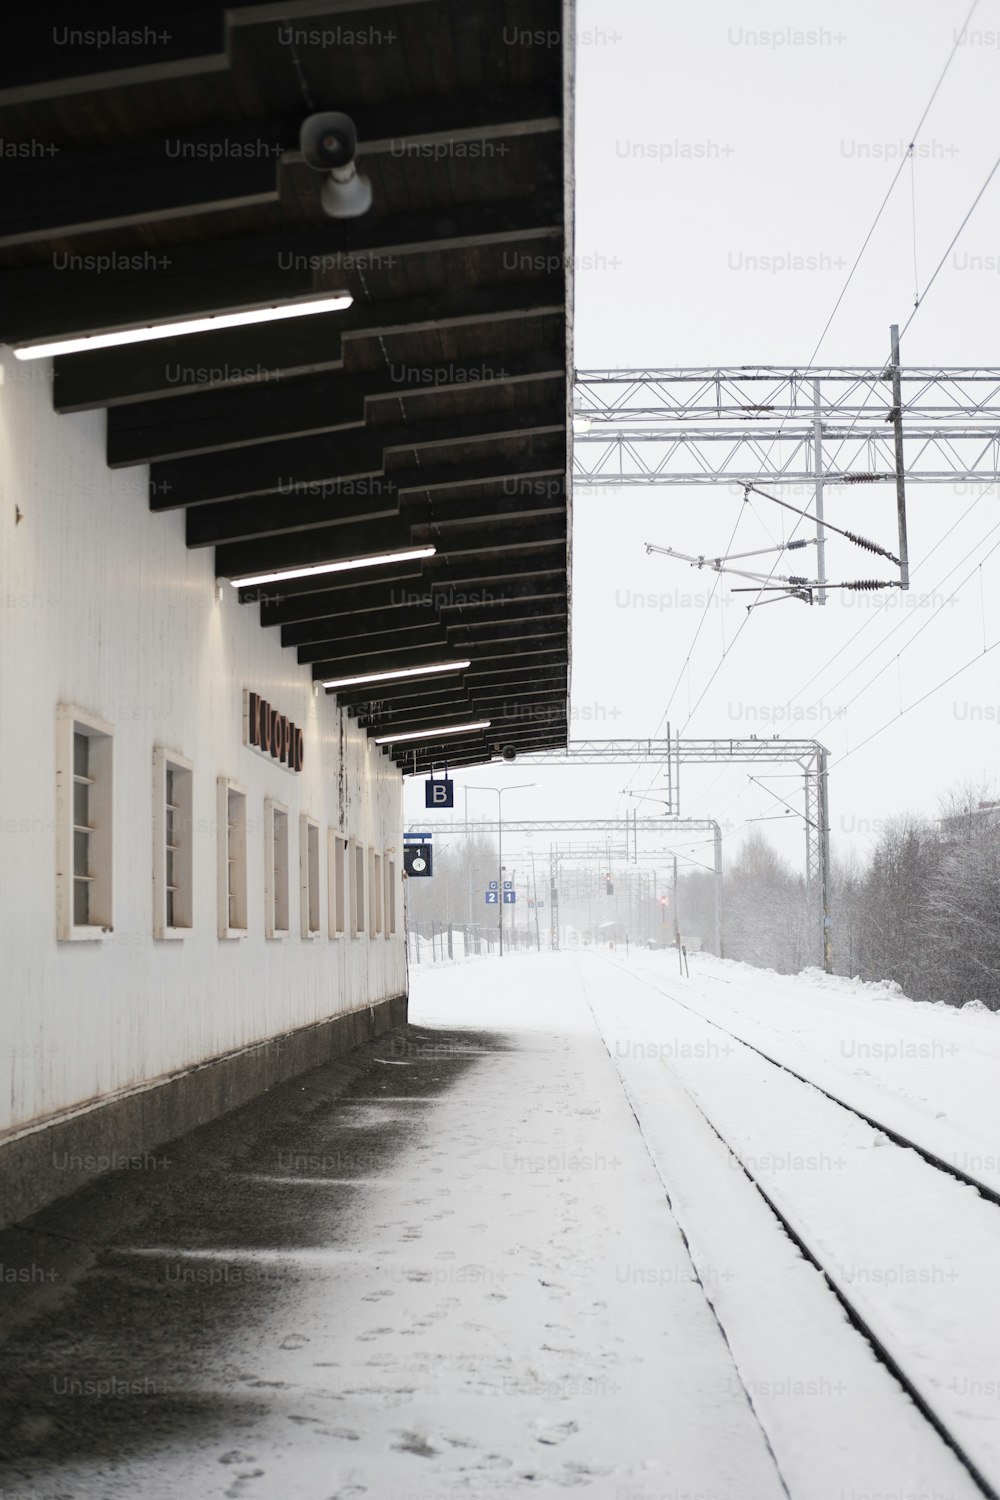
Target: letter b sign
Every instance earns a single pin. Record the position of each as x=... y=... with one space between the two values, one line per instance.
x=439 y=793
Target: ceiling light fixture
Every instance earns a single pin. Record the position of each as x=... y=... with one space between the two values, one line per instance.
x=438 y=666
x=432 y=734
x=120 y=336
x=248 y=580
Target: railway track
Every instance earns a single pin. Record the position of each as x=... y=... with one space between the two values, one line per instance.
x=856 y=1316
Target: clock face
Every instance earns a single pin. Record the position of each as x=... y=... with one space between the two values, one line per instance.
x=419 y=864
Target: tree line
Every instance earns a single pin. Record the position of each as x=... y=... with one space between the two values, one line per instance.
x=922 y=908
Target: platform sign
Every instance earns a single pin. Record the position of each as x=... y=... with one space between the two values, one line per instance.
x=440 y=793
x=509 y=897
x=418 y=860
x=492 y=897
x=508 y=885
x=493 y=885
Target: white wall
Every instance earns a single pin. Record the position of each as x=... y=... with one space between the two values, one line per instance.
x=103 y=606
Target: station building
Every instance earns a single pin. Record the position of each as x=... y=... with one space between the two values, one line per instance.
x=253 y=574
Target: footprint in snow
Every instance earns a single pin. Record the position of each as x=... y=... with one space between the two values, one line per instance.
x=552 y=1433
x=415 y=1442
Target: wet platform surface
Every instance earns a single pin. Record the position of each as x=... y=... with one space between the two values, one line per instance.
x=423 y=1271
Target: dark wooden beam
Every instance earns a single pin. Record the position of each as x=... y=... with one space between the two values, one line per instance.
x=173 y=368
x=281 y=514
x=235 y=417
x=334 y=543
x=396 y=623
x=543 y=706
x=403 y=613
x=472 y=570
x=372 y=599
x=474 y=684
x=303 y=465
x=167 y=291
x=519 y=655
x=224 y=166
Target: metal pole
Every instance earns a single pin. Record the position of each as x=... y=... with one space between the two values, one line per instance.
x=897 y=424
x=500 y=791
x=468 y=863
x=677 y=921
x=824 y=858
x=534 y=888
x=820 y=528
x=717 y=839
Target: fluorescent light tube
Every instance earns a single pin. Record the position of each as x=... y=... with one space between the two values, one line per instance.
x=247 y=580
x=432 y=734
x=121 y=336
x=438 y=666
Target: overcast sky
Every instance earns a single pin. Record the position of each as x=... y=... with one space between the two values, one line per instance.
x=774 y=131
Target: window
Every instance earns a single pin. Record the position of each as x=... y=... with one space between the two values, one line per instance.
x=84 y=765
x=309 y=876
x=390 y=896
x=275 y=869
x=375 y=902
x=173 y=865
x=357 y=862
x=336 y=883
x=231 y=815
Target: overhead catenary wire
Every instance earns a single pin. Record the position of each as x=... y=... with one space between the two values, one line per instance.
x=917 y=702
x=884 y=604
x=728 y=649
x=957 y=42
x=906 y=619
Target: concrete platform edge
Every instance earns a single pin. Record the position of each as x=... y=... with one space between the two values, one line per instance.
x=33 y=1170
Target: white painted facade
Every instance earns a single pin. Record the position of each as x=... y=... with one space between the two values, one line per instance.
x=104 y=608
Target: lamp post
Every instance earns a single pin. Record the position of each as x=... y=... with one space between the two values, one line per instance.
x=521 y=786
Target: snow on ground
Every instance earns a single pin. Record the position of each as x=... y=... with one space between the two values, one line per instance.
x=914 y=1251
x=930 y=1072
x=837 y=1422
x=517 y=1257
x=466 y=1322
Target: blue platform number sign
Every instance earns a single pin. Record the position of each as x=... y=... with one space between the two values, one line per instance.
x=493 y=885
x=508 y=885
x=509 y=897
x=440 y=793
x=492 y=897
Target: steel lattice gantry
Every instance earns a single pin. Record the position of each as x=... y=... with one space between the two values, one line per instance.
x=613 y=825
x=673 y=752
x=771 y=423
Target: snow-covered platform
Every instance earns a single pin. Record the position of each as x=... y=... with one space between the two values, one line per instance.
x=581 y=1226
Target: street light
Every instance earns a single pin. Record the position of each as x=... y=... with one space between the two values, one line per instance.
x=520 y=787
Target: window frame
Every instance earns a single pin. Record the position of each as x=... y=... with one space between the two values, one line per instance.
x=337 y=883
x=277 y=882
x=375 y=893
x=225 y=788
x=357 y=877
x=71 y=720
x=164 y=761
x=310 y=902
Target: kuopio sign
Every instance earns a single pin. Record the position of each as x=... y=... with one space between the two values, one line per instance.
x=272 y=733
